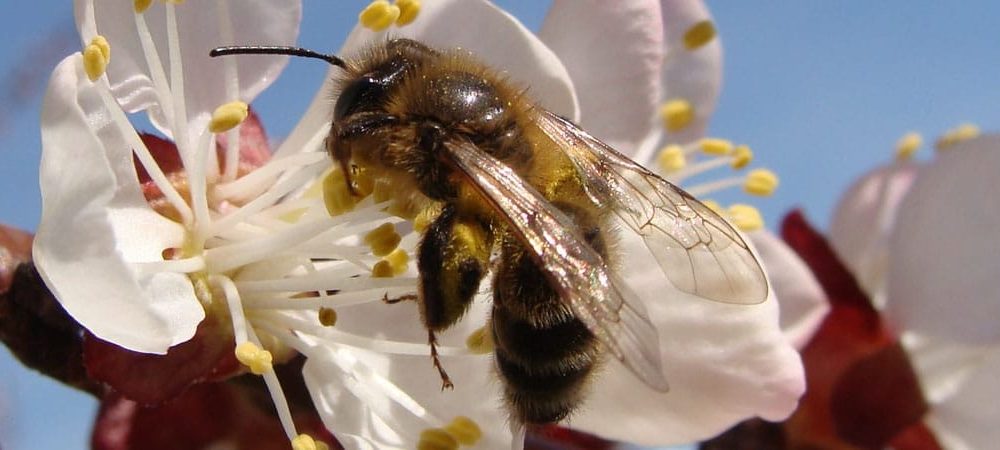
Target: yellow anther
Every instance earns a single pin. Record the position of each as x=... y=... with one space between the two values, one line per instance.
x=398 y=260
x=254 y=357
x=676 y=114
x=408 y=10
x=378 y=15
x=96 y=56
x=742 y=155
x=436 y=439
x=699 y=34
x=907 y=145
x=464 y=430
x=228 y=116
x=382 y=269
x=383 y=240
x=306 y=442
x=761 y=182
x=955 y=135
x=671 y=158
x=480 y=341
x=336 y=196
x=965 y=132
x=140 y=6
x=327 y=317
x=745 y=217
x=715 y=146
x=714 y=206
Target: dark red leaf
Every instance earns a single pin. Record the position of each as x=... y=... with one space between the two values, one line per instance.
x=555 y=437
x=751 y=434
x=15 y=248
x=915 y=437
x=237 y=412
x=151 y=379
x=851 y=362
x=877 y=398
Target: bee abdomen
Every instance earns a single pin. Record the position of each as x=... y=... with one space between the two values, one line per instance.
x=543 y=353
x=545 y=369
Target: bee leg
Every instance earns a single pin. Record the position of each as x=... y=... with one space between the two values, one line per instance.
x=445 y=379
x=401 y=298
x=453 y=258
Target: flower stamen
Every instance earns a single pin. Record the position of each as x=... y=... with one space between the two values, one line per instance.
x=480 y=341
x=228 y=116
x=699 y=34
x=408 y=10
x=464 y=430
x=436 y=439
x=676 y=114
x=379 y=15
x=907 y=145
x=96 y=56
x=306 y=442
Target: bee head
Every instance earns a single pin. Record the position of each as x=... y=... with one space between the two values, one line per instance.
x=378 y=74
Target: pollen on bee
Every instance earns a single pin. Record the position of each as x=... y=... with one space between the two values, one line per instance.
x=379 y=15
x=327 y=317
x=715 y=146
x=672 y=158
x=436 y=439
x=364 y=182
x=96 y=56
x=336 y=197
x=306 y=442
x=761 y=182
x=464 y=430
x=699 y=34
x=425 y=217
x=408 y=10
x=745 y=217
x=676 y=114
x=228 y=116
x=383 y=239
x=255 y=358
x=742 y=155
x=479 y=342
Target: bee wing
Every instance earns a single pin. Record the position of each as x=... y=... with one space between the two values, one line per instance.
x=577 y=272
x=698 y=251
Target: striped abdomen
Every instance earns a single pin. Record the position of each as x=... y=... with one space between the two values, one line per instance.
x=543 y=353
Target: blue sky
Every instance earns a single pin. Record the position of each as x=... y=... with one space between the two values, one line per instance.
x=820 y=90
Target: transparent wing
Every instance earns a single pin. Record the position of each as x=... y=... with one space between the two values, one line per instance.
x=698 y=251
x=578 y=273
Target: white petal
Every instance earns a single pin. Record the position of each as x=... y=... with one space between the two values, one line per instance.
x=967 y=420
x=614 y=53
x=863 y=220
x=724 y=363
x=495 y=38
x=96 y=226
x=944 y=267
x=801 y=300
x=201 y=26
x=376 y=418
x=692 y=75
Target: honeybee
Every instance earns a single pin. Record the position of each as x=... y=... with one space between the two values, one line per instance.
x=515 y=180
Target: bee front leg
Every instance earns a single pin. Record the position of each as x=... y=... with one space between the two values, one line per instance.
x=453 y=258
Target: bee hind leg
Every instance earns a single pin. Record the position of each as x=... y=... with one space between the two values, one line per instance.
x=445 y=379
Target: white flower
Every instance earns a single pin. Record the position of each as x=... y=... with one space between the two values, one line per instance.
x=249 y=246
x=921 y=237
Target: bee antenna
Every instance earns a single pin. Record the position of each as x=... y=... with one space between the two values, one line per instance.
x=276 y=50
